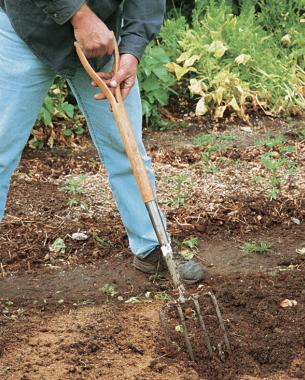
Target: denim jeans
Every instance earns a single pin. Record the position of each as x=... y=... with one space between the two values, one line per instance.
x=24 y=82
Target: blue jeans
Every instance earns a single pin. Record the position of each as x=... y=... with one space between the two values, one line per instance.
x=24 y=82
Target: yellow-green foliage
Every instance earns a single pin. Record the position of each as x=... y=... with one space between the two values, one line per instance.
x=231 y=63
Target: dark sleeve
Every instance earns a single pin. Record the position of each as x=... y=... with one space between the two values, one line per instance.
x=142 y=20
x=60 y=10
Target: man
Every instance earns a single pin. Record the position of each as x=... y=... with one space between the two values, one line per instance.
x=36 y=43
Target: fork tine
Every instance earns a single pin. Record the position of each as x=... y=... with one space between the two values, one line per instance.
x=202 y=324
x=220 y=320
x=164 y=317
x=185 y=333
x=166 y=329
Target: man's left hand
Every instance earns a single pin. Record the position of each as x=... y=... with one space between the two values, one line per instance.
x=125 y=77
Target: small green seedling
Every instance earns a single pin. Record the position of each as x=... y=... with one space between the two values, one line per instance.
x=58 y=246
x=273 y=165
x=191 y=242
x=163 y=296
x=256 y=179
x=262 y=247
x=109 y=290
x=213 y=169
x=102 y=242
x=74 y=185
x=271 y=142
x=191 y=245
x=179 y=193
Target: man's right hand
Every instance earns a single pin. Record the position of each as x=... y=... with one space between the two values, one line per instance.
x=91 y=33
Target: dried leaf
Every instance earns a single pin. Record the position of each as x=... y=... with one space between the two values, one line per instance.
x=217 y=48
x=242 y=59
x=233 y=103
x=178 y=70
x=286 y=40
x=301 y=251
x=201 y=107
x=219 y=111
x=183 y=57
x=195 y=87
x=190 y=61
x=218 y=95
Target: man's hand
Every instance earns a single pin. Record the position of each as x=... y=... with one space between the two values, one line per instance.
x=125 y=77
x=91 y=33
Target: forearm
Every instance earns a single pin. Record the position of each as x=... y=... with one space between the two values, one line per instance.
x=61 y=11
x=142 y=21
x=83 y=12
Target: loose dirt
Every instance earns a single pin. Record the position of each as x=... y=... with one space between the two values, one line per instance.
x=85 y=313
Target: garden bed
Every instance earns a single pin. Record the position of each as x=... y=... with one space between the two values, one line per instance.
x=85 y=313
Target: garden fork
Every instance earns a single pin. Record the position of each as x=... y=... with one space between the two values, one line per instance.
x=149 y=198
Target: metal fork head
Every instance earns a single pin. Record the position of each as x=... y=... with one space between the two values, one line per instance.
x=192 y=323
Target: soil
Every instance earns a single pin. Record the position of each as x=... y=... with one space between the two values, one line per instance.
x=86 y=313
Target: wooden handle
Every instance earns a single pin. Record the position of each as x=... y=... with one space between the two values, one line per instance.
x=125 y=129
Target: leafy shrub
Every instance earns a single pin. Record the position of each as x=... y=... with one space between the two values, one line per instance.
x=286 y=20
x=171 y=33
x=57 y=118
x=280 y=15
x=233 y=64
x=155 y=80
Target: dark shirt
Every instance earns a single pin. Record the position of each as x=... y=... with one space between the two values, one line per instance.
x=44 y=25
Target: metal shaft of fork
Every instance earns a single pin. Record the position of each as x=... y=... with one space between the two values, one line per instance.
x=163 y=238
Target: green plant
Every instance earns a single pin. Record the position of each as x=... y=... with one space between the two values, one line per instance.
x=256 y=179
x=163 y=296
x=74 y=186
x=155 y=80
x=191 y=242
x=179 y=193
x=213 y=169
x=58 y=246
x=102 y=242
x=189 y=247
x=271 y=142
x=109 y=290
x=55 y=108
x=234 y=65
x=273 y=165
x=205 y=139
x=262 y=247
x=280 y=16
x=171 y=33
x=213 y=144
x=208 y=139
x=287 y=149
